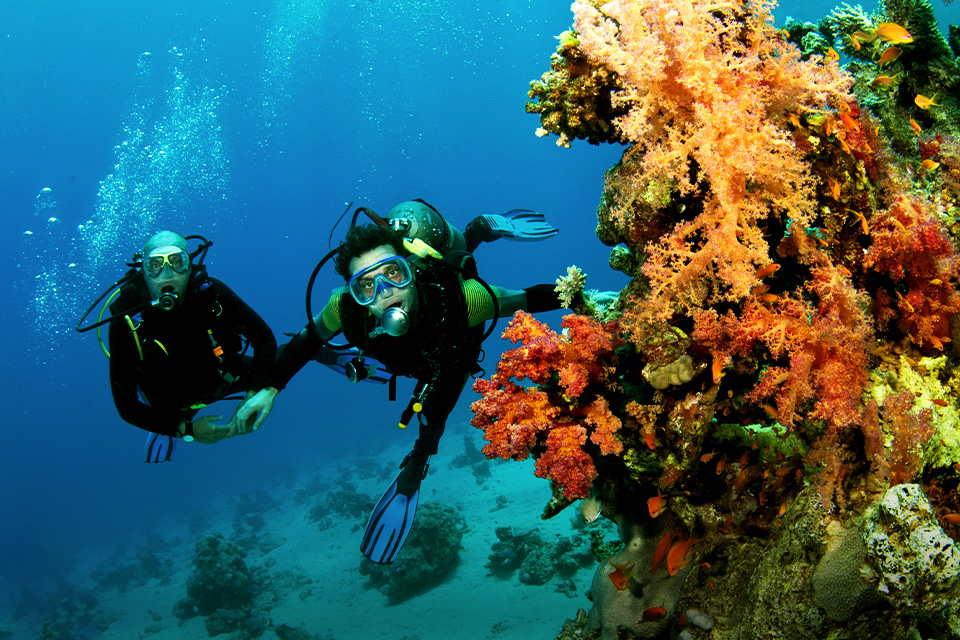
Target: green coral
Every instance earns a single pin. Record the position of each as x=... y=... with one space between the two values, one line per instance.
x=573 y=99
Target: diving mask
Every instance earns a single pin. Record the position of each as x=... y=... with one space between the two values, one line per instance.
x=392 y=272
x=177 y=259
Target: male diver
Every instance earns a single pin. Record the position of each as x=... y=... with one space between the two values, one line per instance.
x=177 y=343
x=421 y=316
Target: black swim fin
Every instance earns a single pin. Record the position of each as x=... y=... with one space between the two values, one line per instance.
x=393 y=517
x=518 y=224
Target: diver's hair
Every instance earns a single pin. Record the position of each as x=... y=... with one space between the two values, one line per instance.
x=363 y=238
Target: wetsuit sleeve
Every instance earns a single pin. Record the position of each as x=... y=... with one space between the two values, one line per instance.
x=299 y=351
x=249 y=324
x=123 y=385
x=540 y=297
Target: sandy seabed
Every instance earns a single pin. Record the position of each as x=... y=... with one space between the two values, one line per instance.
x=324 y=592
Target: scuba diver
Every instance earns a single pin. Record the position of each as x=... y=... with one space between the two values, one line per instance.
x=413 y=301
x=177 y=342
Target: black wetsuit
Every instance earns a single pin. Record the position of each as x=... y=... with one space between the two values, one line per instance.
x=179 y=368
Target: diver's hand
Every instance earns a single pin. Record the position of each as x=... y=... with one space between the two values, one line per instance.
x=205 y=432
x=254 y=411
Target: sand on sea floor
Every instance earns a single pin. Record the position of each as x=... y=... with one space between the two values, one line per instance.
x=335 y=601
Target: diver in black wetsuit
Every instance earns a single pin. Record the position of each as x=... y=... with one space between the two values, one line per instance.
x=420 y=316
x=177 y=341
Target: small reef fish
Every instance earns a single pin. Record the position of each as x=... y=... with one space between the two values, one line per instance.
x=831 y=55
x=924 y=102
x=916 y=127
x=889 y=55
x=679 y=554
x=653 y=614
x=883 y=80
x=620 y=576
x=929 y=165
x=716 y=369
x=650 y=440
x=768 y=270
x=656 y=504
x=590 y=509
x=952 y=518
x=893 y=33
x=660 y=553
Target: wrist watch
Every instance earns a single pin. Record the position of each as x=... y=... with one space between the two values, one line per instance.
x=187 y=432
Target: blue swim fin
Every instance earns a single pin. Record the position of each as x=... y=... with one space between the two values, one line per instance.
x=393 y=517
x=159 y=448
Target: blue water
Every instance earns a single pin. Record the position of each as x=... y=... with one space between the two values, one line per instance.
x=253 y=123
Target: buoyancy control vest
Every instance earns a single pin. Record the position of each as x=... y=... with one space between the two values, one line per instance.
x=197 y=342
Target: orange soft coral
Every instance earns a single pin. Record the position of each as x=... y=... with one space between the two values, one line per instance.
x=708 y=89
x=566 y=413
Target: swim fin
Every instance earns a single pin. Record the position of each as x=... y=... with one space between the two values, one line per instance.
x=393 y=517
x=159 y=448
x=516 y=224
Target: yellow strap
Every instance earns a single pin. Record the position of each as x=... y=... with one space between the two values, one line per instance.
x=136 y=338
x=103 y=310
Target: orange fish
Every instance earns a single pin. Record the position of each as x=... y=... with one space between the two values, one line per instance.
x=770 y=269
x=936 y=342
x=855 y=42
x=716 y=369
x=889 y=55
x=924 y=102
x=952 y=518
x=783 y=509
x=834 y=188
x=762 y=498
x=649 y=439
x=893 y=33
x=706 y=457
x=620 y=576
x=831 y=55
x=929 y=165
x=721 y=465
x=653 y=614
x=678 y=555
x=660 y=553
x=940 y=402
x=768 y=298
x=849 y=123
x=883 y=80
x=656 y=504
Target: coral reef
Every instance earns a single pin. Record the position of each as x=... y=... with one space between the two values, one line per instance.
x=536 y=560
x=429 y=555
x=769 y=406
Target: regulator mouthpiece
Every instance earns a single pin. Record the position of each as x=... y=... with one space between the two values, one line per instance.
x=394 y=322
x=167 y=300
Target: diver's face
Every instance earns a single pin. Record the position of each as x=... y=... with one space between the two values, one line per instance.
x=167 y=278
x=403 y=297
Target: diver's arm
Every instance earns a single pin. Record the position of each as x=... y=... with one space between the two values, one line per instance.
x=540 y=297
x=123 y=385
x=294 y=355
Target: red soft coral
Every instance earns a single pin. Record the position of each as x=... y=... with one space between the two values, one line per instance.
x=566 y=463
x=557 y=419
